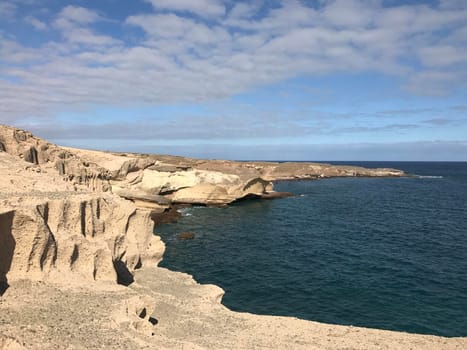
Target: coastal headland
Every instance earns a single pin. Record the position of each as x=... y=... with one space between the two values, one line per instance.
x=78 y=257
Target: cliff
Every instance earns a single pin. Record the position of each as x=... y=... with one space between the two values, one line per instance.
x=78 y=263
x=51 y=231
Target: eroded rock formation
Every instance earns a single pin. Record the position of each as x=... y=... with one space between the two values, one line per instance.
x=145 y=178
x=75 y=239
x=41 y=153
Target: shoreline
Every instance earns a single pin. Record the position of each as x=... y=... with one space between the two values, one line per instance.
x=62 y=255
x=221 y=255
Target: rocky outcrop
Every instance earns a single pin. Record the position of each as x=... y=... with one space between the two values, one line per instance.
x=145 y=179
x=136 y=314
x=76 y=239
x=188 y=186
x=155 y=203
x=305 y=170
x=220 y=194
x=9 y=343
x=41 y=153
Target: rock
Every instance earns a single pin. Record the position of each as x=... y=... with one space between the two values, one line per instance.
x=276 y=195
x=137 y=313
x=143 y=196
x=204 y=193
x=299 y=170
x=169 y=168
x=8 y=343
x=30 y=155
x=220 y=194
x=79 y=239
x=22 y=144
x=186 y=236
x=170 y=215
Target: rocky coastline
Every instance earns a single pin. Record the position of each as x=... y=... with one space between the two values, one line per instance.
x=78 y=257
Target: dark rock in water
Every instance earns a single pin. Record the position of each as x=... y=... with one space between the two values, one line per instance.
x=186 y=235
x=275 y=195
x=169 y=216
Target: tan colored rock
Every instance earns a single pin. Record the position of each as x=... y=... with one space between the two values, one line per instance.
x=305 y=170
x=75 y=239
x=38 y=152
x=221 y=182
x=164 y=182
x=8 y=343
x=212 y=194
x=137 y=313
x=205 y=193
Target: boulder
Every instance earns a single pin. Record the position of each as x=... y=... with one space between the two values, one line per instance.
x=186 y=236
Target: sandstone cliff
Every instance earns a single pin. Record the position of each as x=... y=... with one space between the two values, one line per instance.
x=154 y=181
x=49 y=231
x=75 y=238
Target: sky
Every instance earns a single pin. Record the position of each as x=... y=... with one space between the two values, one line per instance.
x=247 y=80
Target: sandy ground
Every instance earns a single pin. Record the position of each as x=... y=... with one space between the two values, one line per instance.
x=187 y=316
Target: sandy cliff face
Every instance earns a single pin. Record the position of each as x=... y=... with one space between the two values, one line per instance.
x=46 y=156
x=142 y=178
x=78 y=238
x=52 y=230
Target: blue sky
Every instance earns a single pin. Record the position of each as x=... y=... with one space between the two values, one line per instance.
x=284 y=80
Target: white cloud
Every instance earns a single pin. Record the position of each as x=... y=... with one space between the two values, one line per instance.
x=453 y=4
x=202 y=8
x=87 y=37
x=443 y=55
x=244 y=10
x=350 y=13
x=37 y=24
x=7 y=10
x=71 y=16
x=182 y=59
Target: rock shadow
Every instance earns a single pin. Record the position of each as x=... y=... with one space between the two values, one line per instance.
x=124 y=276
x=151 y=319
x=7 y=248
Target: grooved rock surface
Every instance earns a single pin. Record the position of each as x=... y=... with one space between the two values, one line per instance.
x=51 y=231
x=49 y=157
x=75 y=239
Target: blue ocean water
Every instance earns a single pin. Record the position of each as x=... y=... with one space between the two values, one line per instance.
x=385 y=253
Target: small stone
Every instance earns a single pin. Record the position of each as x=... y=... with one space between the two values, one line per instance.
x=186 y=235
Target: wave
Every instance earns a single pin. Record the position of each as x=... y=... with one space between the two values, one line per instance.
x=428 y=177
x=185 y=211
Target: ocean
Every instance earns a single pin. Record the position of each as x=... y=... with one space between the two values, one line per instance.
x=387 y=253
